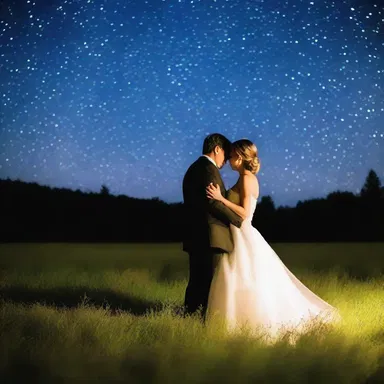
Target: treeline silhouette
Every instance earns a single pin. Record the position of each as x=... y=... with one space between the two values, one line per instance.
x=34 y=213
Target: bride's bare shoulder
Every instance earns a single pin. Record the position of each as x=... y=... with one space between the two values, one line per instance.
x=249 y=178
x=249 y=182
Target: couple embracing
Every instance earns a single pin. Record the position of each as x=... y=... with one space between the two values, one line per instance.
x=233 y=272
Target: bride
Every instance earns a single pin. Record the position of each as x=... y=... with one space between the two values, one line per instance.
x=251 y=286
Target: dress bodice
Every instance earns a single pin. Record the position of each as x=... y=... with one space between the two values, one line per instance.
x=234 y=197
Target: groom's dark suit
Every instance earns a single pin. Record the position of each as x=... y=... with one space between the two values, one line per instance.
x=206 y=230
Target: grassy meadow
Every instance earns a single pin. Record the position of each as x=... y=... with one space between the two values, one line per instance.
x=109 y=313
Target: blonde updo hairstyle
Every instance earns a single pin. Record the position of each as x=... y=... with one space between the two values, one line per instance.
x=248 y=153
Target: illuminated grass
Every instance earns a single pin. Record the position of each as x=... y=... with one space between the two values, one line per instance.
x=109 y=313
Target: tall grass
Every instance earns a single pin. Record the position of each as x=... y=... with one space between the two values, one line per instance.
x=109 y=313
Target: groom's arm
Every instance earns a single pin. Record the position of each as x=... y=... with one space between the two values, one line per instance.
x=217 y=208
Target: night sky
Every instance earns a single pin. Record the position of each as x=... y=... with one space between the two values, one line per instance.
x=123 y=93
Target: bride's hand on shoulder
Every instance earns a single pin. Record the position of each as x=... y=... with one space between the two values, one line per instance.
x=213 y=192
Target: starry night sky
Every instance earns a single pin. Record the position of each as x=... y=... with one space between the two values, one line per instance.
x=123 y=93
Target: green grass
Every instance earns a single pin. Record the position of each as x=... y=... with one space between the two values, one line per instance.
x=108 y=313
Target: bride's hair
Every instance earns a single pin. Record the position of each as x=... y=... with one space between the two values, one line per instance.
x=248 y=152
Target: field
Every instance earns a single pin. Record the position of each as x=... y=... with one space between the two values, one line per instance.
x=109 y=313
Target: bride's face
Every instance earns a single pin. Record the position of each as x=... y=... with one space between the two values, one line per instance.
x=235 y=160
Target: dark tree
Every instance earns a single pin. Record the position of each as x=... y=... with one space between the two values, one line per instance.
x=104 y=190
x=268 y=204
x=372 y=187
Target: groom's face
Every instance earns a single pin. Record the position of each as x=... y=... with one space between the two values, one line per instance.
x=220 y=158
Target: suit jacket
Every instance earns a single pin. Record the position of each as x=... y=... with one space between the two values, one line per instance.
x=206 y=221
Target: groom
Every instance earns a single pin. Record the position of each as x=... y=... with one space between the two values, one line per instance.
x=206 y=233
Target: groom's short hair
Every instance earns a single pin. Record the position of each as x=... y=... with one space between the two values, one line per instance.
x=214 y=139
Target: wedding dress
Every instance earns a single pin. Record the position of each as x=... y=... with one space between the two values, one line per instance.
x=252 y=287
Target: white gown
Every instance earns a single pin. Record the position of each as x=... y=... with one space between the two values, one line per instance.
x=252 y=287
